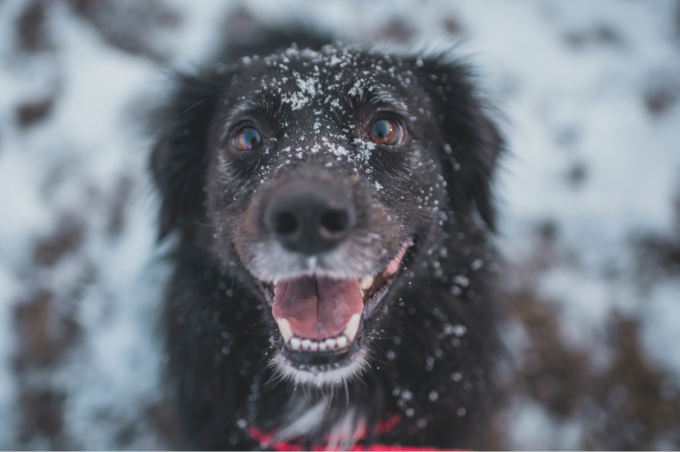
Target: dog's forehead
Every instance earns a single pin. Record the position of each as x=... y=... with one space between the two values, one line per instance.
x=332 y=79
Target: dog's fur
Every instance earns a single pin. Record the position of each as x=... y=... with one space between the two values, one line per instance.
x=427 y=353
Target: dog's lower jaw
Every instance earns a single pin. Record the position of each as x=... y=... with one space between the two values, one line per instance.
x=329 y=376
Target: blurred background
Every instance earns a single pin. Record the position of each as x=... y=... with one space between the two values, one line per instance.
x=588 y=95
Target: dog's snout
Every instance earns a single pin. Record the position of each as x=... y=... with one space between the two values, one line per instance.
x=310 y=217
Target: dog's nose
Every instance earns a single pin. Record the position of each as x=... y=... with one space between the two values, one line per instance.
x=310 y=217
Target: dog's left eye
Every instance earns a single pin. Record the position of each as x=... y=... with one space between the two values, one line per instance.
x=385 y=131
x=247 y=139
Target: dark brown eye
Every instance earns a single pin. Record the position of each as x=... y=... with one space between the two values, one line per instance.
x=385 y=131
x=247 y=138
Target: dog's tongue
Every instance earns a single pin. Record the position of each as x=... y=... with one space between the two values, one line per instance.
x=317 y=307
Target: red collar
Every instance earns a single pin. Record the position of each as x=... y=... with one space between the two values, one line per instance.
x=266 y=439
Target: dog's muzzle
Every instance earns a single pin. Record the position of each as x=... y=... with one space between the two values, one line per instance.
x=320 y=317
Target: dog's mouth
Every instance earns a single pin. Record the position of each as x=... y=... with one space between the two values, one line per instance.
x=320 y=319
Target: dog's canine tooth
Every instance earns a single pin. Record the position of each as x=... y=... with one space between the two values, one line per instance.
x=342 y=342
x=295 y=343
x=314 y=346
x=352 y=327
x=366 y=282
x=305 y=344
x=330 y=343
x=323 y=346
x=284 y=328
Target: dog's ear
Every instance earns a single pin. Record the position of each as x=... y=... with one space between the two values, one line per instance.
x=179 y=159
x=470 y=142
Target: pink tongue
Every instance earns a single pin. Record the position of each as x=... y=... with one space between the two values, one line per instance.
x=317 y=307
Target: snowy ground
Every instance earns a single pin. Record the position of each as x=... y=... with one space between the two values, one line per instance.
x=589 y=197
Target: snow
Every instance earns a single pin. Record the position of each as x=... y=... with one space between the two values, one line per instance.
x=535 y=429
x=587 y=155
x=660 y=331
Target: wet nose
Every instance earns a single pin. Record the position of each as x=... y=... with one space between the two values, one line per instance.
x=310 y=217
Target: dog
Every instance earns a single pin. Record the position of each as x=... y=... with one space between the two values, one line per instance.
x=334 y=278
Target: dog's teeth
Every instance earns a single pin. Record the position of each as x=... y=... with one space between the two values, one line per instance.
x=305 y=344
x=314 y=346
x=366 y=282
x=352 y=327
x=342 y=342
x=330 y=343
x=284 y=328
x=295 y=343
x=323 y=346
x=276 y=281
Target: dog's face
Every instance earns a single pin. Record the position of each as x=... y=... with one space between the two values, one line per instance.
x=327 y=174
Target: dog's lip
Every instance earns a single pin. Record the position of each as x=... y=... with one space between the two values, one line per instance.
x=373 y=287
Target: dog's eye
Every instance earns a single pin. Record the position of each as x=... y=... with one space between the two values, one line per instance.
x=247 y=138
x=385 y=131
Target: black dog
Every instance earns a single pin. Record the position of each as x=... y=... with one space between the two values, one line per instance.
x=332 y=282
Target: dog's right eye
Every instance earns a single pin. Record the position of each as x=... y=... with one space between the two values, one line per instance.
x=247 y=139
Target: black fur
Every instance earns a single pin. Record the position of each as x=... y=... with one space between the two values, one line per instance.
x=220 y=334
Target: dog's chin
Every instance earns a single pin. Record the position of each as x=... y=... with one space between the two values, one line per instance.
x=326 y=347
x=325 y=375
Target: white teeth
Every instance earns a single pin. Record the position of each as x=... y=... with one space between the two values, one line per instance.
x=352 y=327
x=311 y=345
x=284 y=328
x=276 y=281
x=366 y=282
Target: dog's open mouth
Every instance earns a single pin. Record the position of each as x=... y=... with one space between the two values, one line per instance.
x=321 y=319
